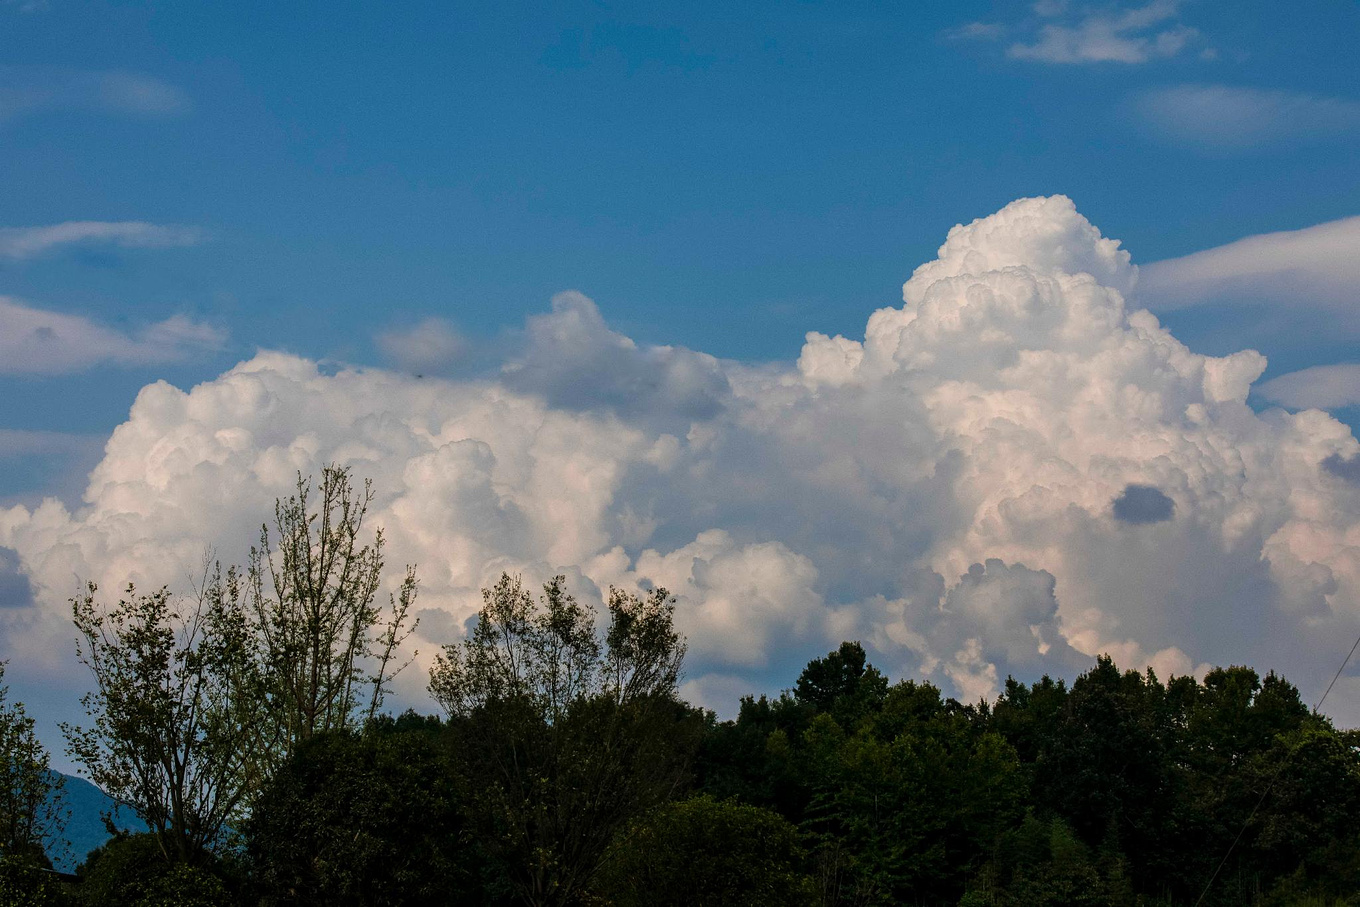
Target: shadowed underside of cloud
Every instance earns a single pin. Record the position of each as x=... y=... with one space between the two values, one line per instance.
x=1347 y=468
x=27 y=242
x=1143 y=504
x=1229 y=117
x=944 y=488
x=39 y=342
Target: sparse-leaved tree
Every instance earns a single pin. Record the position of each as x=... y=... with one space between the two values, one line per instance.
x=326 y=652
x=175 y=710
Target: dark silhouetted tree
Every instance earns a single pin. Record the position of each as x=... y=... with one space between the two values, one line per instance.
x=706 y=851
x=366 y=819
x=565 y=735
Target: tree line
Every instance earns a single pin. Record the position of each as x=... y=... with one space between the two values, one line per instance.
x=244 y=724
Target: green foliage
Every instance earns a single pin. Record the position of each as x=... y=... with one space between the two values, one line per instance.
x=905 y=806
x=1044 y=864
x=196 y=702
x=1168 y=775
x=565 y=736
x=703 y=851
x=130 y=870
x=1134 y=788
x=31 y=810
x=843 y=685
x=1108 y=762
x=175 y=710
x=752 y=758
x=899 y=791
x=185 y=886
x=24 y=882
x=366 y=819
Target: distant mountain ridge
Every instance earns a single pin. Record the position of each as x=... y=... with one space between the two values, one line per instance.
x=83 y=805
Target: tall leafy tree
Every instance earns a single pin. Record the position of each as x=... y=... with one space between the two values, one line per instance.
x=1107 y=765
x=843 y=685
x=906 y=804
x=175 y=710
x=196 y=700
x=566 y=734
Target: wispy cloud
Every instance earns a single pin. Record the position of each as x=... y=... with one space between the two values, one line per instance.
x=977 y=31
x=27 y=242
x=1316 y=267
x=1320 y=387
x=1229 y=117
x=39 y=342
x=26 y=90
x=1075 y=33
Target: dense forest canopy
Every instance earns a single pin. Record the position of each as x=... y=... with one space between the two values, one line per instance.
x=243 y=725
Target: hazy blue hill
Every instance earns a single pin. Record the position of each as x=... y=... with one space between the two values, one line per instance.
x=84 y=828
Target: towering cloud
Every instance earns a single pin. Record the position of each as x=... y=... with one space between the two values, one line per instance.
x=1011 y=472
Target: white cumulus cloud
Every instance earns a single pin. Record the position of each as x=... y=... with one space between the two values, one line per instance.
x=1011 y=472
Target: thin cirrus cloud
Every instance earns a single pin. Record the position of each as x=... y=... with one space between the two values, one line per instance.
x=1317 y=267
x=1234 y=118
x=26 y=91
x=19 y=243
x=36 y=341
x=1067 y=34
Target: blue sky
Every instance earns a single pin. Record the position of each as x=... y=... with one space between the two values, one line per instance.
x=189 y=183
x=721 y=179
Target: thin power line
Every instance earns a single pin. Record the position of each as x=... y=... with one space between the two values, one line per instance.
x=1280 y=768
